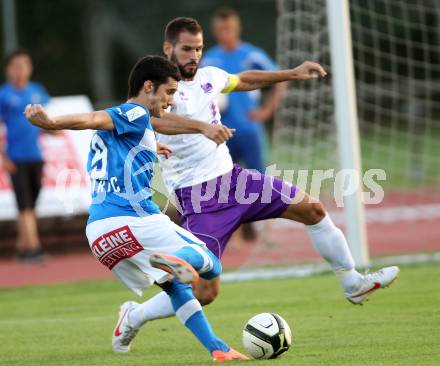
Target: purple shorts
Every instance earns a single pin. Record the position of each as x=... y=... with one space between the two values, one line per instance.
x=213 y=210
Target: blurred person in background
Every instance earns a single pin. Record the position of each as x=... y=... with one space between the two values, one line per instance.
x=22 y=157
x=242 y=111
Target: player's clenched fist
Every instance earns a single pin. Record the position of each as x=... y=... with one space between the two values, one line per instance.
x=308 y=70
x=36 y=114
x=163 y=149
x=218 y=133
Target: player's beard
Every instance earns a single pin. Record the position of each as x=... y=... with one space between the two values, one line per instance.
x=185 y=74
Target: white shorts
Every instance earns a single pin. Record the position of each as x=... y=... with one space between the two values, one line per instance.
x=125 y=243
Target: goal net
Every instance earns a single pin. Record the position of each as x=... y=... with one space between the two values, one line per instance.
x=396 y=51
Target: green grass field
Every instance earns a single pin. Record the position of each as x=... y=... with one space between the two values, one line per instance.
x=72 y=324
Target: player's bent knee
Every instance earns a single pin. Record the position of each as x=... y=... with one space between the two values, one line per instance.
x=315 y=213
x=207 y=296
x=207 y=291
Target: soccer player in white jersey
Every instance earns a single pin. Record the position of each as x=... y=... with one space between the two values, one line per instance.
x=206 y=183
x=126 y=230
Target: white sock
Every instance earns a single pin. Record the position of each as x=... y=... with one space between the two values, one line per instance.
x=158 y=307
x=331 y=244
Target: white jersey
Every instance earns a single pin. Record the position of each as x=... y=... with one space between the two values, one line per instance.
x=195 y=158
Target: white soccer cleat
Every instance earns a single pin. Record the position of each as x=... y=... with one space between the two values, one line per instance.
x=124 y=332
x=177 y=267
x=372 y=282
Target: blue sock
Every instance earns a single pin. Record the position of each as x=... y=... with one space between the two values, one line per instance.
x=200 y=327
x=216 y=269
x=189 y=312
x=192 y=256
x=197 y=260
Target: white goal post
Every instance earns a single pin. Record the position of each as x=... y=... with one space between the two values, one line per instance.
x=379 y=108
x=338 y=15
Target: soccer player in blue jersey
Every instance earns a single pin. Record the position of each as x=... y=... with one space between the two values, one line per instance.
x=22 y=158
x=126 y=231
x=242 y=110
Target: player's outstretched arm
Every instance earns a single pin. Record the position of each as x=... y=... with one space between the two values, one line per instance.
x=251 y=80
x=173 y=124
x=99 y=120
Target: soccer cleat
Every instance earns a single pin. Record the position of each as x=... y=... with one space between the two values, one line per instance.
x=231 y=355
x=372 y=282
x=124 y=332
x=179 y=268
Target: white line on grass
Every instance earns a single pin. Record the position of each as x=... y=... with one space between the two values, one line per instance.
x=306 y=270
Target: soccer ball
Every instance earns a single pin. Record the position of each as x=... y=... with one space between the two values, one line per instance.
x=266 y=336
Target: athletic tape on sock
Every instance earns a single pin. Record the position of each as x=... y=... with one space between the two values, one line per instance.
x=207 y=262
x=187 y=310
